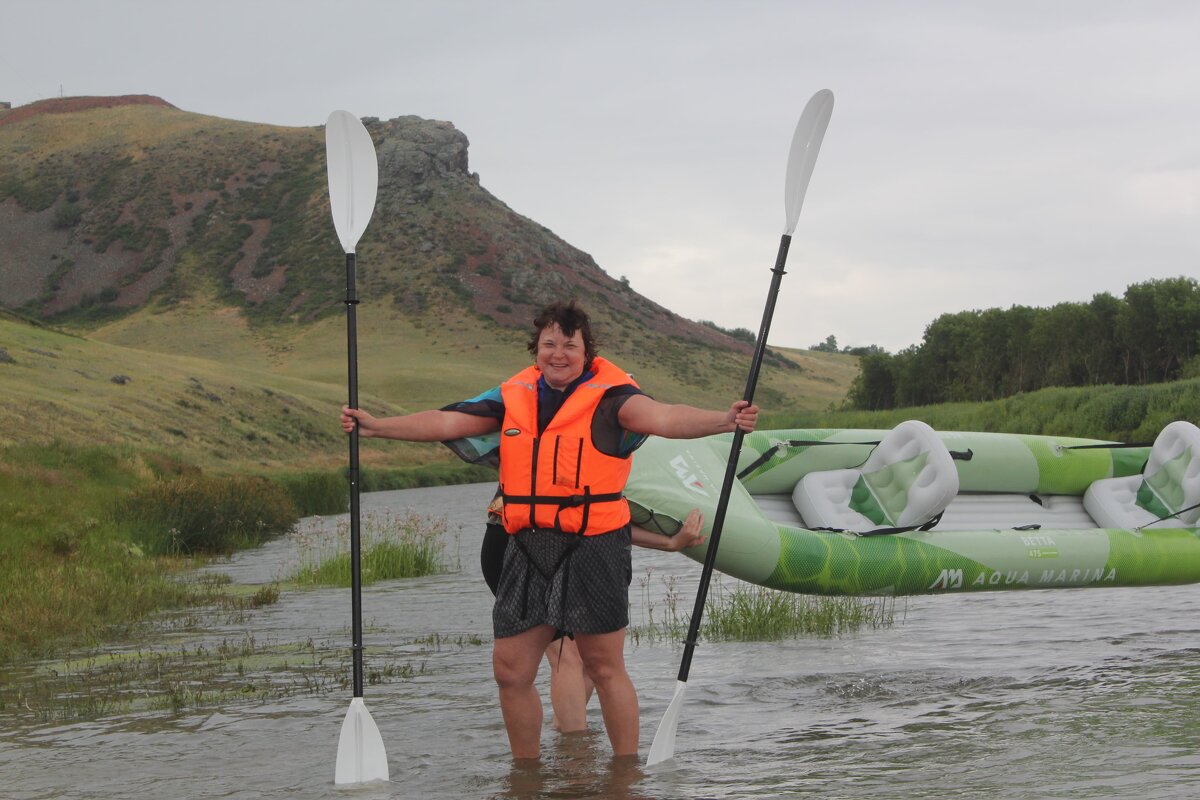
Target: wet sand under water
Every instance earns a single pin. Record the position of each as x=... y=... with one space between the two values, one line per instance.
x=1047 y=694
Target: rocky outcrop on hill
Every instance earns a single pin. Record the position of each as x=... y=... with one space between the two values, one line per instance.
x=109 y=204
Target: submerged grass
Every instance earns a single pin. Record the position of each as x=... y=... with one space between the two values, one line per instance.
x=392 y=546
x=189 y=676
x=748 y=613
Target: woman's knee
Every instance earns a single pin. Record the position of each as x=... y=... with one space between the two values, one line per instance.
x=510 y=670
x=515 y=659
x=604 y=659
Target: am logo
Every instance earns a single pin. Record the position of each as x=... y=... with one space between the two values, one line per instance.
x=948 y=579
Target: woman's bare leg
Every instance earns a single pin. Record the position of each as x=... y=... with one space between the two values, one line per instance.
x=604 y=661
x=570 y=687
x=515 y=661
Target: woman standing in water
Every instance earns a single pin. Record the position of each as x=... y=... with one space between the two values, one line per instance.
x=570 y=687
x=566 y=426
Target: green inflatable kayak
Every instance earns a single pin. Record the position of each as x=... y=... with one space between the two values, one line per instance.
x=917 y=511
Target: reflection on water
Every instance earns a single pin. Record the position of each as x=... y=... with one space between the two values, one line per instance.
x=1051 y=694
x=579 y=765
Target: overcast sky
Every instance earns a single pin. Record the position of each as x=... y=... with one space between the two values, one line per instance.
x=980 y=154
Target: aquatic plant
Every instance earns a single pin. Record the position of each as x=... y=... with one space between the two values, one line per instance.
x=754 y=613
x=746 y=612
x=198 y=674
x=392 y=546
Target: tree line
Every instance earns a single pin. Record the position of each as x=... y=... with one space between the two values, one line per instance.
x=1150 y=335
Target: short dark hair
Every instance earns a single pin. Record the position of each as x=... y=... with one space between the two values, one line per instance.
x=569 y=317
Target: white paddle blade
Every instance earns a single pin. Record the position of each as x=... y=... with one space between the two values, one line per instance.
x=663 y=747
x=353 y=176
x=806 y=144
x=360 y=757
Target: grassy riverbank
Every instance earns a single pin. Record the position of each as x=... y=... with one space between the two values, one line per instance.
x=1116 y=413
x=95 y=539
x=69 y=572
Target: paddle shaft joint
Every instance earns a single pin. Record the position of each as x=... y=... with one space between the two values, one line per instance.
x=785 y=244
x=351 y=287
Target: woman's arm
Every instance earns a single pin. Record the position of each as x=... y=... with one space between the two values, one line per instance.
x=688 y=535
x=423 y=426
x=643 y=414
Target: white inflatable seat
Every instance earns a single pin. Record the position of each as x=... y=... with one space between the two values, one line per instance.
x=908 y=480
x=1169 y=483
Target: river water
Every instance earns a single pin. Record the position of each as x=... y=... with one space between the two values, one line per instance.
x=1044 y=694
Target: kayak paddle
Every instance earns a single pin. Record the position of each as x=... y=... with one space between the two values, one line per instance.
x=353 y=183
x=806 y=143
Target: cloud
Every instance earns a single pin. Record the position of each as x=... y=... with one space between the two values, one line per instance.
x=979 y=155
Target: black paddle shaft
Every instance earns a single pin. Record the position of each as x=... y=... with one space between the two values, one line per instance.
x=353 y=476
x=735 y=451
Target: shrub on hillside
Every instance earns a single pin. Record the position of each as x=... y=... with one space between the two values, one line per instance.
x=67 y=216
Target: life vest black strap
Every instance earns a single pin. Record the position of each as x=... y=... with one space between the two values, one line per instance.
x=585 y=500
x=563 y=562
x=567 y=501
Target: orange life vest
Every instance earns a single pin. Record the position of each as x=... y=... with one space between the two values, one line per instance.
x=558 y=479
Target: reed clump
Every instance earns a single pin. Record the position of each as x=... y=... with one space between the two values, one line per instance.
x=748 y=613
x=392 y=546
x=94 y=539
x=754 y=613
x=317 y=493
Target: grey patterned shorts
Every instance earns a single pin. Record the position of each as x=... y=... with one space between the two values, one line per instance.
x=578 y=584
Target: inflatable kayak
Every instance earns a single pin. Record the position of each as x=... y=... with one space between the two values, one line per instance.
x=916 y=511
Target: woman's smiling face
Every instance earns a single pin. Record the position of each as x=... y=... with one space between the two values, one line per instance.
x=560 y=357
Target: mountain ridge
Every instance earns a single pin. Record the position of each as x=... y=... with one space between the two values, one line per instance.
x=134 y=223
x=158 y=201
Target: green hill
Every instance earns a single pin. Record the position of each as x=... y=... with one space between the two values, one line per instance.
x=265 y=402
x=179 y=246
